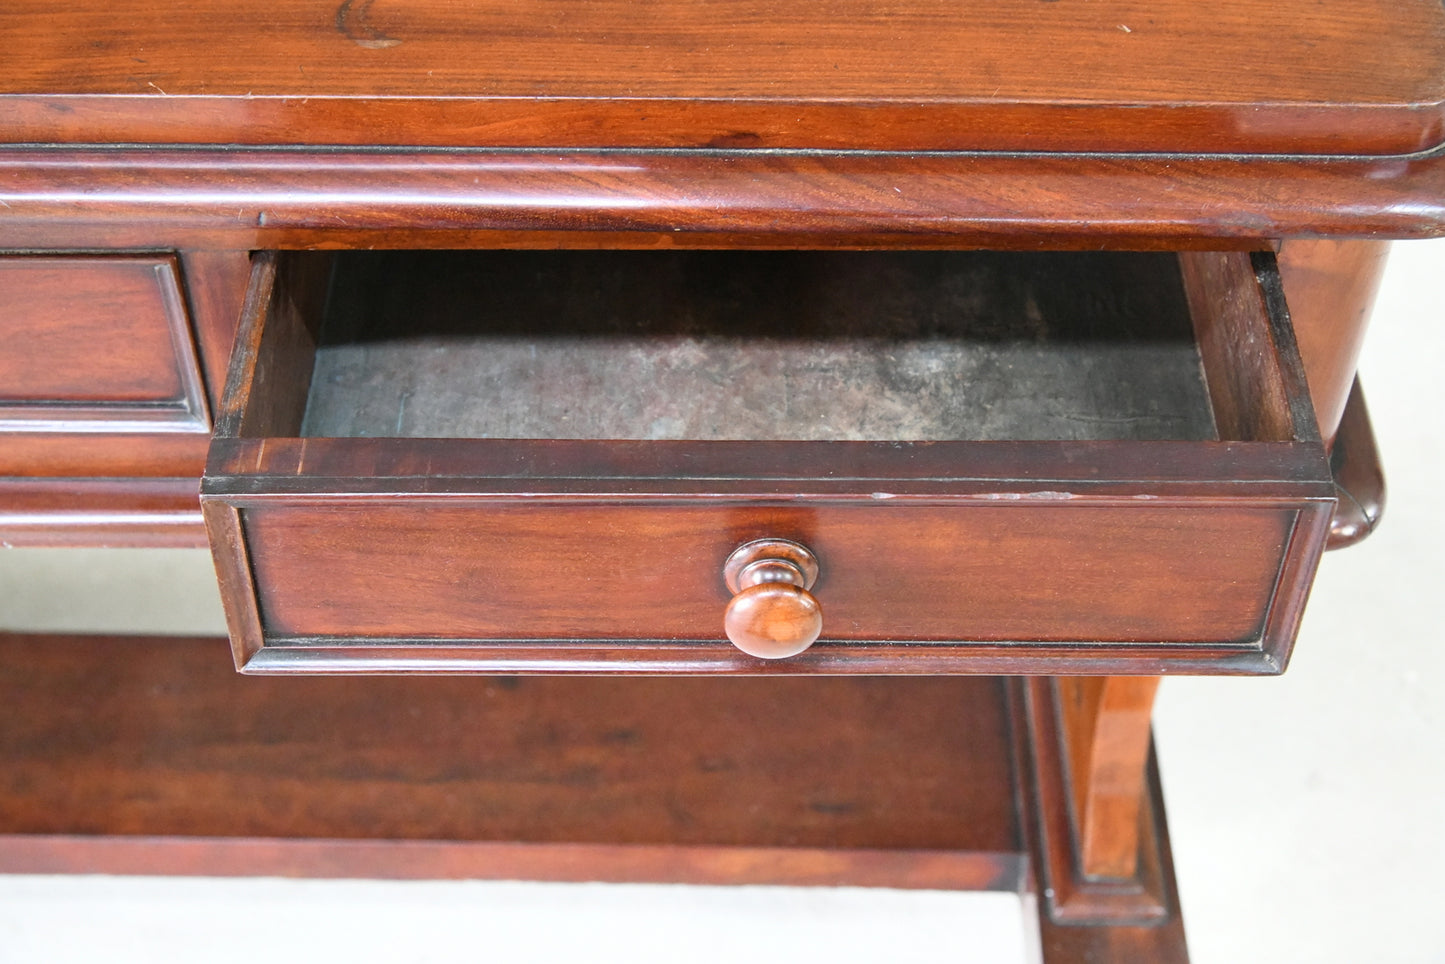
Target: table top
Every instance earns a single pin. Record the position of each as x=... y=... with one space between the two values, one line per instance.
x=1330 y=77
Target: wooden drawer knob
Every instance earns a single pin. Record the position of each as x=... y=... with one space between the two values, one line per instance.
x=772 y=615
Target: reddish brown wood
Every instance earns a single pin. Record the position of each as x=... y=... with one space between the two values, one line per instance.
x=100 y=512
x=1105 y=732
x=1155 y=942
x=97 y=344
x=466 y=569
x=1071 y=894
x=140 y=339
x=1335 y=79
x=772 y=615
x=215 y=284
x=237 y=584
x=416 y=199
x=270 y=367
x=128 y=740
x=149 y=756
x=1359 y=479
x=1253 y=380
x=1296 y=76
x=1331 y=288
x=611 y=542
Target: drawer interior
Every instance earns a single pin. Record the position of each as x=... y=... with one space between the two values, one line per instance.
x=789 y=345
x=826 y=346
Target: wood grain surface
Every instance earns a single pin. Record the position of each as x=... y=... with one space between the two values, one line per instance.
x=1075 y=893
x=159 y=737
x=1143 y=917
x=100 y=512
x=98 y=343
x=1296 y=76
x=1331 y=288
x=424 y=569
x=248 y=199
x=1103 y=727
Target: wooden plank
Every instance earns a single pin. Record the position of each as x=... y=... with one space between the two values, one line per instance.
x=1342 y=77
x=127 y=740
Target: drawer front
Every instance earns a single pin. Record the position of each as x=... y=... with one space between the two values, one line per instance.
x=98 y=344
x=1176 y=574
x=364 y=554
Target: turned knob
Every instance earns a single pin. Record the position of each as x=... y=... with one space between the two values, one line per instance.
x=772 y=615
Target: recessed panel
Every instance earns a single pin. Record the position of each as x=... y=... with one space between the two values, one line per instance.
x=97 y=344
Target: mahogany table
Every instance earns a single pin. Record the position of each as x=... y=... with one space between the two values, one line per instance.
x=685 y=441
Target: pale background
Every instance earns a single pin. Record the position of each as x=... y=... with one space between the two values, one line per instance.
x=1306 y=811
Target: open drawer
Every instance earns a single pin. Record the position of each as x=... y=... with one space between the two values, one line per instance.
x=542 y=462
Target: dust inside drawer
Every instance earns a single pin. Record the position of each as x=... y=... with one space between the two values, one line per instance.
x=758 y=345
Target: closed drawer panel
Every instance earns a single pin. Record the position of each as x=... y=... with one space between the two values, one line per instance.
x=543 y=461
x=97 y=343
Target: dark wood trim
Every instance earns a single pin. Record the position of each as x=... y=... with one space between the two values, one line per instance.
x=239 y=199
x=1301 y=561
x=1250 y=360
x=241 y=364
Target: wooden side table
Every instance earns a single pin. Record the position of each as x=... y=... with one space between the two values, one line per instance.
x=840 y=248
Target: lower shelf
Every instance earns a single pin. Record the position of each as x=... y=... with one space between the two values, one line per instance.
x=123 y=755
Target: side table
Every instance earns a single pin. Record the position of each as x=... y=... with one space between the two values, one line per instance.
x=781 y=201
